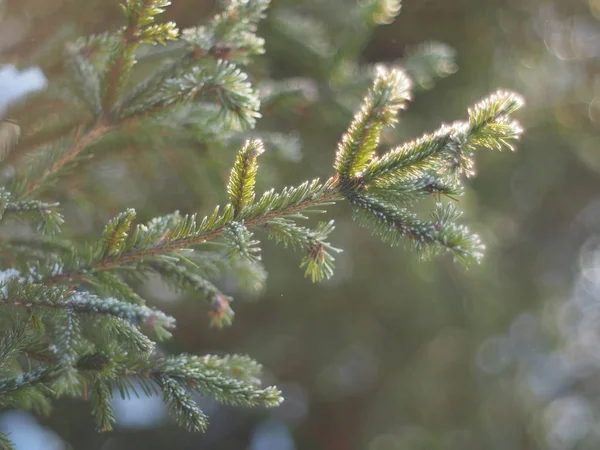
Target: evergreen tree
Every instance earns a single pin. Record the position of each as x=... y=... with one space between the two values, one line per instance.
x=73 y=319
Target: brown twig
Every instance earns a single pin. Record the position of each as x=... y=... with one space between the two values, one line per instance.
x=79 y=144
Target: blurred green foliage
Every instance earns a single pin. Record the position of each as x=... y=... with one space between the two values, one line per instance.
x=390 y=354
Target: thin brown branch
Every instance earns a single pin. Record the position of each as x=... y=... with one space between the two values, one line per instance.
x=79 y=144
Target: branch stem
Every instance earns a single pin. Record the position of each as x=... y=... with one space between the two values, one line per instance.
x=79 y=144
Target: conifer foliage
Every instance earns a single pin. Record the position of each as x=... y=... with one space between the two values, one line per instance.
x=72 y=320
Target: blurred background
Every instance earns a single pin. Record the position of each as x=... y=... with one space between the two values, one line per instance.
x=391 y=353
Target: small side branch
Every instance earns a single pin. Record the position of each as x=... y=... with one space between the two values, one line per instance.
x=79 y=144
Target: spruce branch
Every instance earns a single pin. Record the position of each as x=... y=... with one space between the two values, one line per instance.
x=452 y=146
x=488 y=120
x=139 y=15
x=102 y=410
x=129 y=334
x=12 y=344
x=388 y=94
x=235 y=366
x=230 y=380
x=116 y=232
x=222 y=82
x=239 y=242
x=231 y=34
x=417 y=159
x=413 y=188
x=413 y=158
x=243 y=176
x=87 y=303
x=429 y=238
x=23 y=381
x=437 y=153
x=63 y=158
x=182 y=406
x=145 y=244
x=85 y=77
x=227 y=390
x=490 y=125
x=183 y=277
x=15 y=293
x=45 y=214
x=69 y=333
x=230 y=37
x=319 y=261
